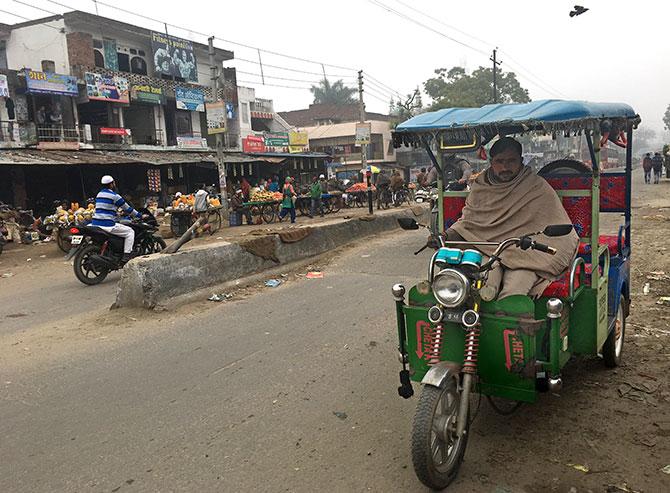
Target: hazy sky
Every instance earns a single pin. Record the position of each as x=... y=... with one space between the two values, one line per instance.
x=617 y=51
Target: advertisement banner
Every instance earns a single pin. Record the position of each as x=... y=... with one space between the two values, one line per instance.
x=277 y=139
x=4 y=87
x=216 y=117
x=190 y=99
x=363 y=131
x=147 y=94
x=111 y=58
x=107 y=88
x=50 y=83
x=174 y=57
x=191 y=143
x=253 y=143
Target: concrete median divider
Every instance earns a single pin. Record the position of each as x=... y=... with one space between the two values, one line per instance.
x=154 y=280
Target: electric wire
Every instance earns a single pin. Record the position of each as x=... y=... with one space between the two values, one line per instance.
x=35 y=7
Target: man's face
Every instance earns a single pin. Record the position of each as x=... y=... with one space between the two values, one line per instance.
x=506 y=165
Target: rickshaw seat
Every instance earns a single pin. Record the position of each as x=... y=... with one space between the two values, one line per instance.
x=612 y=242
x=561 y=287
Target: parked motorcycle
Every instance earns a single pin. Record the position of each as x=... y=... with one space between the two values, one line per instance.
x=97 y=253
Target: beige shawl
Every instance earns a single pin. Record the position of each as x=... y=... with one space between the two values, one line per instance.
x=527 y=204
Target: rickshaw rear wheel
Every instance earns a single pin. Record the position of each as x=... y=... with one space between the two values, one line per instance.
x=613 y=347
x=437 y=453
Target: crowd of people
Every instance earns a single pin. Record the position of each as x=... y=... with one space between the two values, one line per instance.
x=653 y=163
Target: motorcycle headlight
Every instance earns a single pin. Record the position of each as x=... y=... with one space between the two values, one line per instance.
x=451 y=288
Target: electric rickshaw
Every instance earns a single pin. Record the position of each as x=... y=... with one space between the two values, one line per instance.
x=455 y=341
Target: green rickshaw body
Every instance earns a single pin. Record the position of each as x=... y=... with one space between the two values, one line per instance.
x=514 y=344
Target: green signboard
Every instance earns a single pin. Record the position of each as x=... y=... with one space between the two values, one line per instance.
x=147 y=94
x=277 y=139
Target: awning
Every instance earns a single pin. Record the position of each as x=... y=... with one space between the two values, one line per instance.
x=34 y=157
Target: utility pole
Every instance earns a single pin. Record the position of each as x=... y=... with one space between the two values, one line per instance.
x=364 y=147
x=220 y=164
x=496 y=63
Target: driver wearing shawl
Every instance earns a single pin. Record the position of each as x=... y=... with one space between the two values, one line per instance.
x=510 y=200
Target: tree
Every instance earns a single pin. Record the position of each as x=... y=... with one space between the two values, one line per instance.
x=336 y=93
x=666 y=118
x=455 y=88
x=401 y=110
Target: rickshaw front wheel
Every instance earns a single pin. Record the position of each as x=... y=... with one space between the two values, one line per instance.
x=437 y=452
x=613 y=347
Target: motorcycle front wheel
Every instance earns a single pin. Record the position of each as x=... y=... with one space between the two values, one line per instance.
x=84 y=269
x=437 y=453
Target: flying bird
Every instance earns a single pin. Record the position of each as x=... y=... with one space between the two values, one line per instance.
x=579 y=10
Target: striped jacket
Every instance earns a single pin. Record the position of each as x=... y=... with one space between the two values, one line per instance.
x=106 y=203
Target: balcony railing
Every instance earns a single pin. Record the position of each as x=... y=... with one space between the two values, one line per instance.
x=17 y=132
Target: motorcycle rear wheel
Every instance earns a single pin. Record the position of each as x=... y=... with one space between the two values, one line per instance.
x=84 y=269
x=437 y=453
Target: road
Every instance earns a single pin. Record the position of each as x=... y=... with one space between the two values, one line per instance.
x=294 y=389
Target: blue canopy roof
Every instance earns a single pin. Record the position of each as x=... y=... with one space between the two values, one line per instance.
x=550 y=111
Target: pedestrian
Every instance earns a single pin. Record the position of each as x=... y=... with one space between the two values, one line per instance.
x=324 y=184
x=200 y=206
x=288 y=200
x=421 y=178
x=237 y=205
x=657 y=164
x=315 y=196
x=273 y=186
x=646 y=166
x=246 y=188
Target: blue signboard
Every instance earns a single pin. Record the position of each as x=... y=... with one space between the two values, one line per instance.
x=189 y=99
x=50 y=83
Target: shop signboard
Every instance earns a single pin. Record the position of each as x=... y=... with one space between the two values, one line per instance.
x=107 y=88
x=4 y=87
x=298 y=141
x=147 y=93
x=114 y=131
x=253 y=143
x=190 y=142
x=189 y=98
x=173 y=56
x=216 y=117
x=276 y=139
x=50 y=83
x=363 y=131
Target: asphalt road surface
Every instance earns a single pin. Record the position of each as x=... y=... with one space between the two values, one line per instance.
x=294 y=389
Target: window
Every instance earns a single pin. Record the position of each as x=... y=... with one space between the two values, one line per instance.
x=97 y=43
x=141 y=53
x=48 y=66
x=98 y=59
x=245 y=112
x=124 y=62
x=138 y=65
x=183 y=119
x=133 y=51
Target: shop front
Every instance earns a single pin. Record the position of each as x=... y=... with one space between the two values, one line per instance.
x=143 y=116
x=51 y=105
x=101 y=109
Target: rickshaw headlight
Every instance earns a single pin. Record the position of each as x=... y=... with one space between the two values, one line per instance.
x=451 y=288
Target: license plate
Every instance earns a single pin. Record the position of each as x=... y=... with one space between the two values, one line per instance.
x=76 y=239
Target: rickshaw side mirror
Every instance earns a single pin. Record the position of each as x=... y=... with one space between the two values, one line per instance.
x=557 y=230
x=408 y=223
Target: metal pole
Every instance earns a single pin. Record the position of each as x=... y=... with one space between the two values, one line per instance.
x=220 y=164
x=495 y=75
x=364 y=147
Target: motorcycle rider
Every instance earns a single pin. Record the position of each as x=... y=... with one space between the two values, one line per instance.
x=106 y=204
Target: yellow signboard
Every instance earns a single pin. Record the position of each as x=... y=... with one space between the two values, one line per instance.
x=298 y=138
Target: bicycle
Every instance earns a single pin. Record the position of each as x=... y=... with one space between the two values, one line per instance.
x=385 y=198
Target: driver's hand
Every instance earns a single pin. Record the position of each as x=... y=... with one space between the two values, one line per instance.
x=462 y=180
x=145 y=216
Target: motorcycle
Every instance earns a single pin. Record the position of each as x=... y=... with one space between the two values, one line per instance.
x=456 y=289
x=97 y=253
